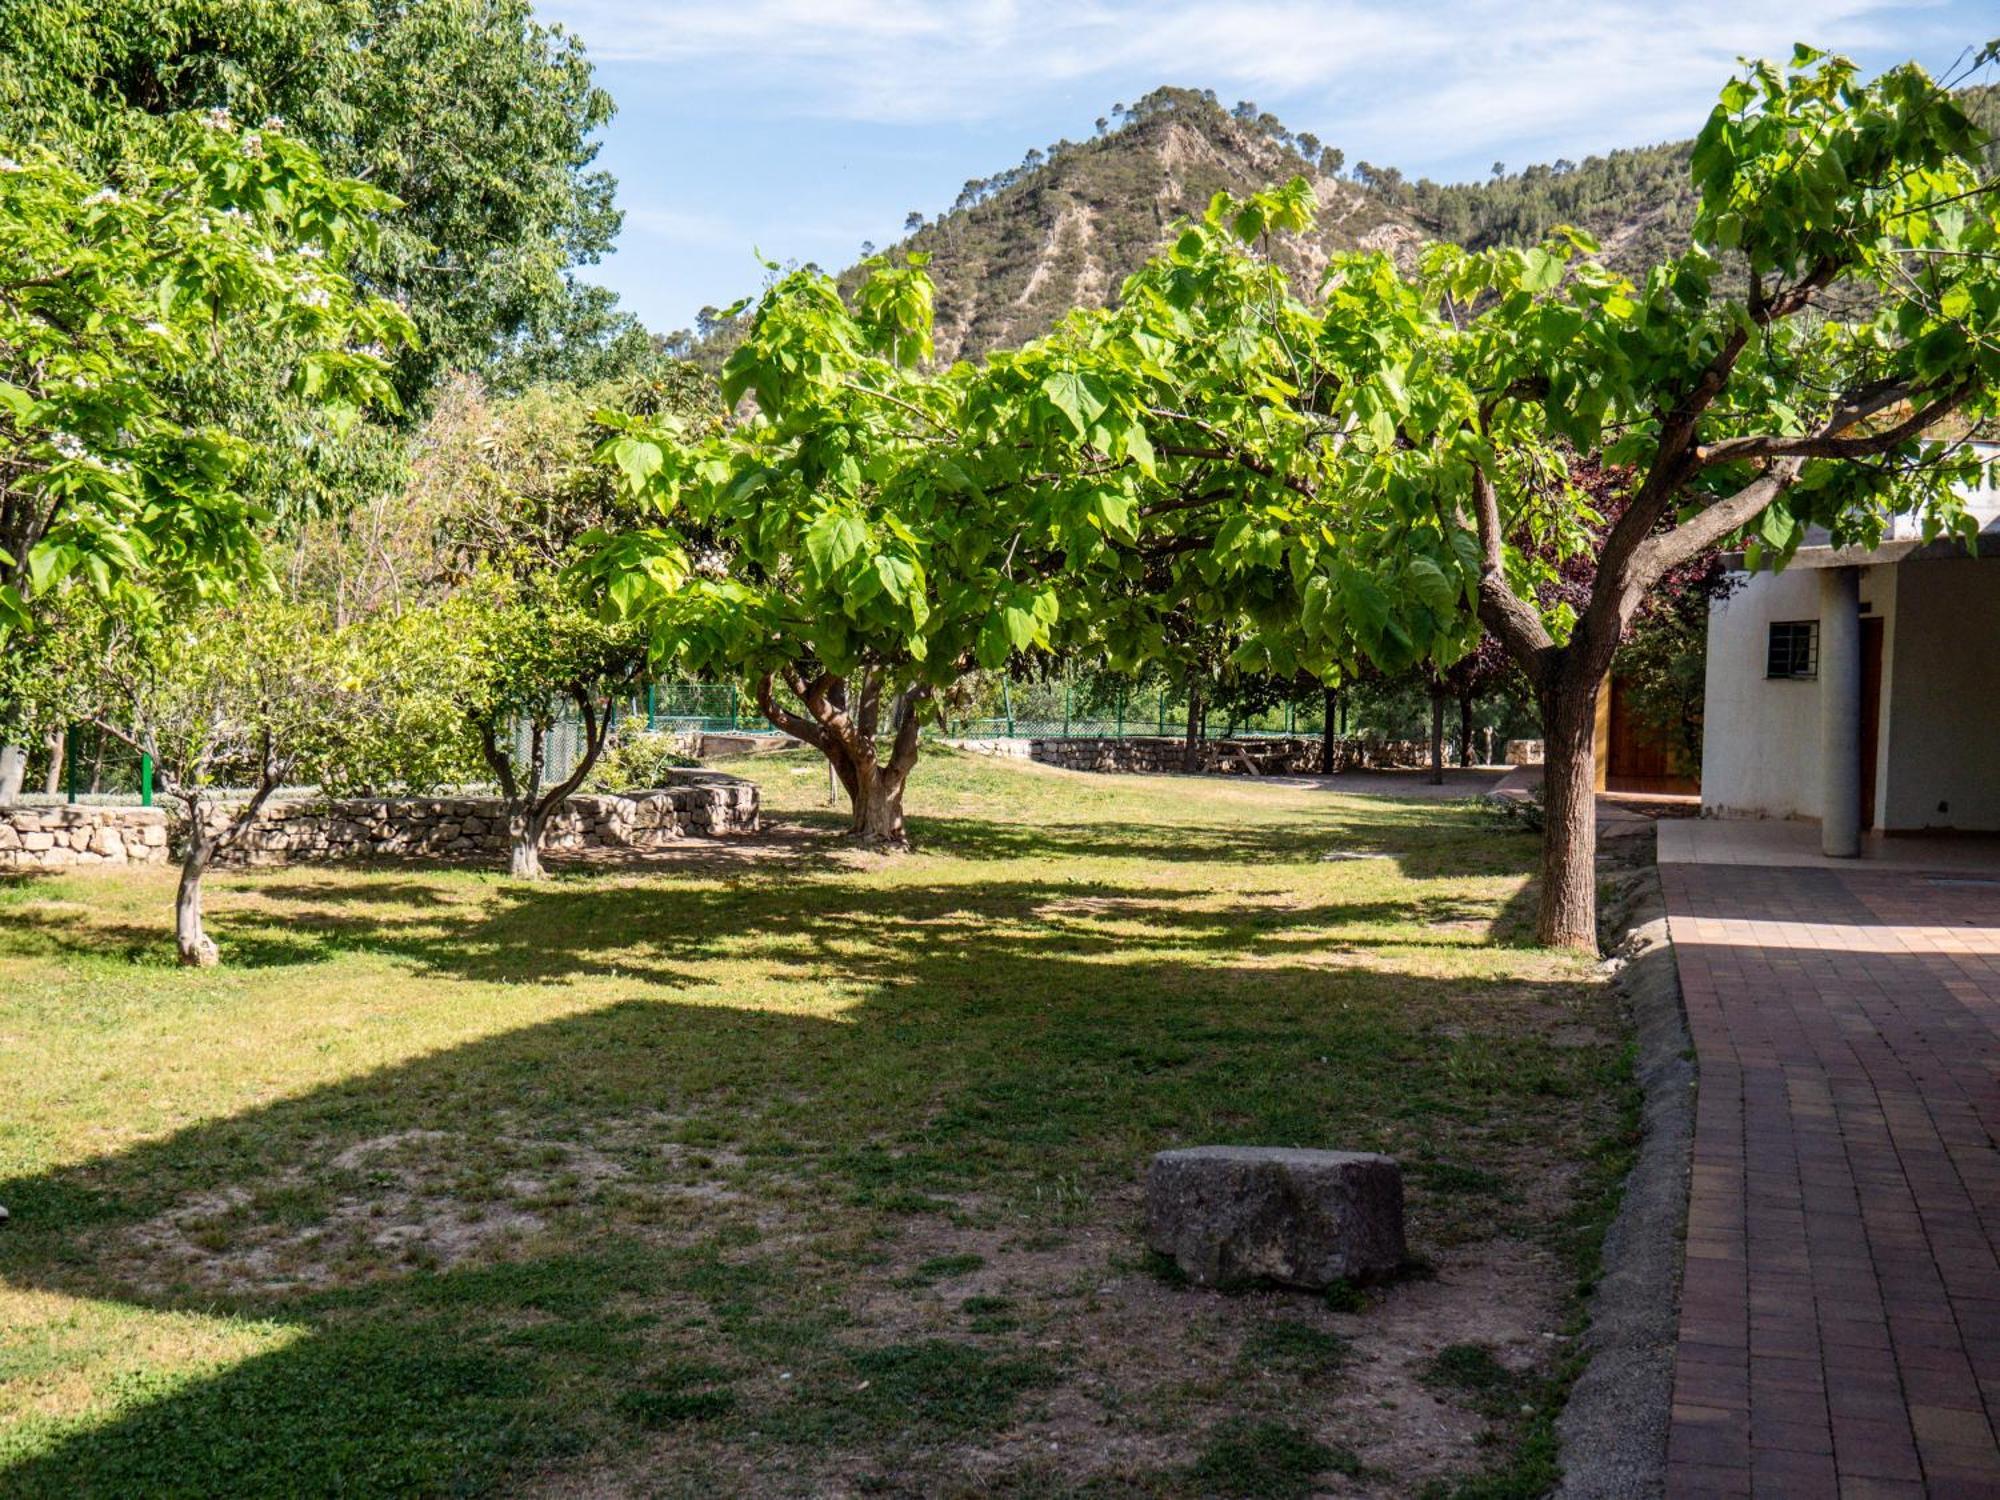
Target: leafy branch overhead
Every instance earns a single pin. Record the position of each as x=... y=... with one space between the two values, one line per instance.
x=112 y=294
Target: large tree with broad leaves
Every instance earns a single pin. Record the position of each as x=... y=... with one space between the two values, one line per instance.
x=1834 y=390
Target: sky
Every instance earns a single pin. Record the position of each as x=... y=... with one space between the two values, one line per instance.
x=800 y=128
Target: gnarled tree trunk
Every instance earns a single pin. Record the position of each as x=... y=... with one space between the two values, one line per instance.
x=196 y=948
x=844 y=732
x=58 y=744
x=1437 y=734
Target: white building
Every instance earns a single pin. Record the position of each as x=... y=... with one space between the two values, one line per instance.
x=1861 y=688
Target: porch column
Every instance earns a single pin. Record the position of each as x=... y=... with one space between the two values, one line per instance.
x=1840 y=712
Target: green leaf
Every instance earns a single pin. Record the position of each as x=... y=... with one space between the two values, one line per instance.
x=1433 y=585
x=1077 y=397
x=638 y=460
x=833 y=540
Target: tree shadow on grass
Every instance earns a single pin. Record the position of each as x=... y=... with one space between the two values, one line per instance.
x=581 y=1234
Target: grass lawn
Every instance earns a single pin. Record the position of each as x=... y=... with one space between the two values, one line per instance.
x=809 y=1173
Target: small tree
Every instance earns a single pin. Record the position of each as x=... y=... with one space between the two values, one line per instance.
x=250 y=696
x=543 y=662
x=114 y=297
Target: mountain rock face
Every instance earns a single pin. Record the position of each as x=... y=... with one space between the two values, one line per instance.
x=1066 y=230
x=1067 y=226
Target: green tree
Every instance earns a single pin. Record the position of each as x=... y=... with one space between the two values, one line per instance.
x=864 y=552
x=253 y=695
x=479 y=119
x=113 y=295
x=1821 y=394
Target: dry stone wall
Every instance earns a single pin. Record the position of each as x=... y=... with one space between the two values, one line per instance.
x=303 y=830
x=60 y=838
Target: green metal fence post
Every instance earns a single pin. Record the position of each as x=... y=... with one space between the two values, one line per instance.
x=145 y=779
x=1065 y=708
x=732 y=705
x=1290 y=709
x=75 y=755
x=1121 y=711
x=1160 y=700
x=1007 y=705
x=652 y=706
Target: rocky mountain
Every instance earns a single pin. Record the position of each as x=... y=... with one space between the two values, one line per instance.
x=1067 y=225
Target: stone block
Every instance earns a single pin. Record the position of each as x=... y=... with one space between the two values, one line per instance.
x=37 y=842
x=1236 y=1214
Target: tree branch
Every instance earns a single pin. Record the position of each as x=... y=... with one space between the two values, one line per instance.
x=1513 y=621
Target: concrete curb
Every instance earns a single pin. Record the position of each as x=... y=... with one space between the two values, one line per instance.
x=1613 y=1431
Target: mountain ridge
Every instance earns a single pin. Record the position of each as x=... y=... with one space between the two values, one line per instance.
x=1069 y=224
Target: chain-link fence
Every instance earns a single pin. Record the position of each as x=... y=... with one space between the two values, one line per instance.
x=1068 y=710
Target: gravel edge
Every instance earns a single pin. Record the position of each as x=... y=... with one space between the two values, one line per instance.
x=1613 y=1431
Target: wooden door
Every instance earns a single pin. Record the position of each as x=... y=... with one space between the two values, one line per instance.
x=1871 y=712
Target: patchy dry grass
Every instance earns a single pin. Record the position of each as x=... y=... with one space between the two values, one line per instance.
x=804 y=1174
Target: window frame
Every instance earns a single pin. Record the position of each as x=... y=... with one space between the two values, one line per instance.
x=1806 y=631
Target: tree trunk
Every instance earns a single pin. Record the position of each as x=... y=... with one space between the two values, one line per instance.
x=878 y=811
x=1191 y=747
x=1437 y=734
x=845 y=734
x=1465 y=729
x=13 y=767
x=524 y=855
x=197 y=949
x=1329 y=734
x=1568 y=916
x=58 y=748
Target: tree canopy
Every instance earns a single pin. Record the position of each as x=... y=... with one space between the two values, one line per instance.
x=478 y=118
x=112 y=295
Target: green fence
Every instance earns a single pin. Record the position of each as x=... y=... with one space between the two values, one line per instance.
x=1027 y=710
x=1062 y=710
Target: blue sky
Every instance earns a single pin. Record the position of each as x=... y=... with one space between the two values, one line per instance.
x=803 y=127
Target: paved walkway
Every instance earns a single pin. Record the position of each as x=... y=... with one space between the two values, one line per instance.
x=1840 y=1312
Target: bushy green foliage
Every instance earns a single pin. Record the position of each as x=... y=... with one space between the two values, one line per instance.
x=636 y=759
x=119 y=291
x=479 y=118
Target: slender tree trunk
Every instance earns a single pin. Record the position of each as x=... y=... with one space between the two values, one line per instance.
x=1437 y=734
x=1465 y=729
x=1191 y=747
x=1568 y=916
x=1329 y=734
x=13 y=767
x=197 y=949
x=58 y=748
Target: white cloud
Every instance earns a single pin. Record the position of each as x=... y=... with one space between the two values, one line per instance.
x=1438 y=68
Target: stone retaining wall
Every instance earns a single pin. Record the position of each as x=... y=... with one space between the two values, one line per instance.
x=471 y=828
x=1153 y=755
x=57 y=838
x=697 y=802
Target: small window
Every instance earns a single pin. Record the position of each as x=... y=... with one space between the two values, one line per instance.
x=1794 y=649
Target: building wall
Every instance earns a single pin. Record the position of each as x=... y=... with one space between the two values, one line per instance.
x=1941 y=689
x=1760 y=738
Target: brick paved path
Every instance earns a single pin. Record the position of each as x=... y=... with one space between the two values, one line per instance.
x=1840 y=1314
